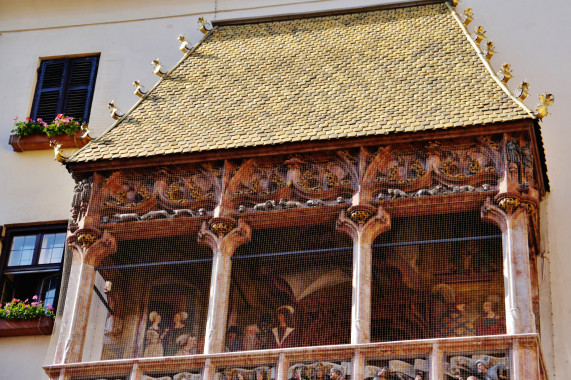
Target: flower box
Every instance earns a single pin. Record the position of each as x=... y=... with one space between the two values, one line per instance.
x=22 y=327
x=42 y=142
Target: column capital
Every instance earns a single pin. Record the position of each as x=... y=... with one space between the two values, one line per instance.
x=364 y=221
x=509 y=208
x=90 y=246
x=224 y=234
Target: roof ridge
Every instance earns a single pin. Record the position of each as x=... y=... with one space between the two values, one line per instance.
x=487 y=64
x=145 y=95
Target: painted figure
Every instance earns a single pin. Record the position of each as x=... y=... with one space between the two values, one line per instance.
x=382 y=374
x=153 y=337
x=189 y=345
x=318 y=374
x=250 y=341
x=335 y=374
x=490 y=323
x=455 y=323
x=178 y=329
x=284 y=334
x=492 y=373
x=233 y=341
x=261 y=375
x=265 y=336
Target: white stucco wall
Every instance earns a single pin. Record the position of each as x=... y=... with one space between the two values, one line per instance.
x=22 y=357
x=529 y=34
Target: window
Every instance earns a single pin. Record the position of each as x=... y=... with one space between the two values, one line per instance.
x=31 y=263
x=65 y=86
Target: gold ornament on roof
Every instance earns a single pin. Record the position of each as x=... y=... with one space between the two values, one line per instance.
x=506 y=72
x=455 y=3
x=204 y=25
x=469 y=16
x=480 y=34
x=158 y=67
x=184 y=45
x=545 y=101
x=115 y=114
x=85 y=131
x=138 y=89
x=490 y=52
x=58 y=156
x=522 y=90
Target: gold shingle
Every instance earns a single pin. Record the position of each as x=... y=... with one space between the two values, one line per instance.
x=368 y=73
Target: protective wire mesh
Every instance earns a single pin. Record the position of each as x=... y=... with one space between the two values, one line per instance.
x=153 y=299
x=435 y=272
x=291 y=287
x=398 y=368
x=437 y=276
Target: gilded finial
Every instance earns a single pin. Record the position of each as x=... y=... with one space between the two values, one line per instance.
x=480 y=34
x=455 y=3
x=545 y=101
x=115 y=114
x=522 y=90
x=85 y=131
x=469 y=16
x=158 y=67
x=138 y=89
x=506 y=72
x=184 y=45
x=58 y=156
x=490 y=52
x=204 y=25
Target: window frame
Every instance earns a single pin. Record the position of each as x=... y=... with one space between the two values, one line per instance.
x=64 y=88
x=50 y=269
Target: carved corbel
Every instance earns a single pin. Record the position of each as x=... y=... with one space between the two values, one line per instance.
x=361 y=221
x=90 y=246
x=223 y=235
x=507 y=209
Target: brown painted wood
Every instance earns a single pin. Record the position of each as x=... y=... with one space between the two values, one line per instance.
x=42 y=142
x=24 y=327
x=302 y=147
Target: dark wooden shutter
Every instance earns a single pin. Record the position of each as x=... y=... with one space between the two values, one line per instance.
x=48 y=99
x=81 y=80
x=65 y=86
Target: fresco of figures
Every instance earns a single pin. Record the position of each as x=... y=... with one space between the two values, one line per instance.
x=477 y=367
x=414 y=369
x=178 y=376
x=320 y=371
x=258 y=373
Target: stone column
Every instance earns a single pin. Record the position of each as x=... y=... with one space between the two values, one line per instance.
x=436 y=363
x=282 y=367
x=88 y=250
x=221 y=235
x=525 y=360
x=510 y=215
x=363 y=226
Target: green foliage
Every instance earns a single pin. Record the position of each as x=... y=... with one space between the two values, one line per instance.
x=17 y=309
x=29 y=127
x=62 y=125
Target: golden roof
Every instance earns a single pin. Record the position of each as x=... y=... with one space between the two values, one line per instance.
x=320 y=78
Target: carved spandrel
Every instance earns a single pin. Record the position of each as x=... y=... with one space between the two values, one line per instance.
x=173 y=192
x=318 y=178
x=433 y=168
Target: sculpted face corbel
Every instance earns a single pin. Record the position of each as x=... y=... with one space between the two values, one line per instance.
x=90 y=246
x=224 y=235
x=362 y=222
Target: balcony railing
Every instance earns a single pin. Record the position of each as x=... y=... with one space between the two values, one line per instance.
x=522 y=355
